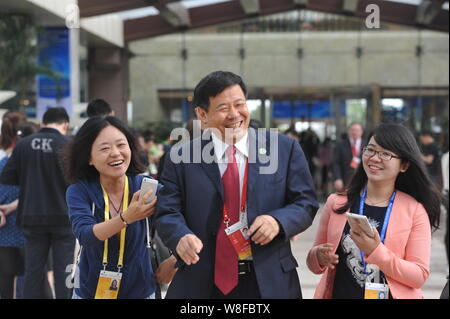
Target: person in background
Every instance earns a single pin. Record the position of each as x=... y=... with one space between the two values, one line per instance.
x=35 y=166
x=99 y=107
x=431 y=156
x=325 y=156
x=347 y=156
x=256 y=124
x=10 y=233
x=292 y=133
x=393 y=190
x=140 y=145
x=309 y=141
x=12 y=241
x=107 y=216
x=445 y=188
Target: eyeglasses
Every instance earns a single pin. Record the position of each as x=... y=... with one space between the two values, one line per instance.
x=385 y=156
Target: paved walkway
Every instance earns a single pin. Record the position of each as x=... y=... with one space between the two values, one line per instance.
x=431 y=290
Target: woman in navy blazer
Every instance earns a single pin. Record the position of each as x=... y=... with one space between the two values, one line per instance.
x=104 y=155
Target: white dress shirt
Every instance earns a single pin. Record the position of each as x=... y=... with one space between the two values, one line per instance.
x=357 y=145
x=242 y=149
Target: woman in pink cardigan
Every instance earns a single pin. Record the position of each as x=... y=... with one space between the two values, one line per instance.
x=393 y=190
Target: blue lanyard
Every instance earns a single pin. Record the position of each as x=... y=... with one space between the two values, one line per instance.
x=386 y=219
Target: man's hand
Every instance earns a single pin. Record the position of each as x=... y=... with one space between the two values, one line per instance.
x=339 y=185
x=264 y=229
x=188 y=249
x=325 y=256
x=166 y=270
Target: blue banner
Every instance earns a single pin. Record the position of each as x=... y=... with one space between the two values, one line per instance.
x=307 y=109
x=55 y=55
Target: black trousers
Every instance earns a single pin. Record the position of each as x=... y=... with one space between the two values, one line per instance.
x=12 y=263
x=247 y=288
x=38 y=243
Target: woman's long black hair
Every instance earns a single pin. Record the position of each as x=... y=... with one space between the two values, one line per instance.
x=78 y=152
x=415 y=181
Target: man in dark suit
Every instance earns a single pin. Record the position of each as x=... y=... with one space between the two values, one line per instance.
x=347 y=155
x=232 y=179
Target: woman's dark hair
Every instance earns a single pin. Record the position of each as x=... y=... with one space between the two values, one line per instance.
x=213 y=84
x=11 y=123
x=78 y=152
x=27 y=128
x=415 y=181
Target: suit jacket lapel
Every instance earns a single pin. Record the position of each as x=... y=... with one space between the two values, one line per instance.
x=212 y=169
x=253 y=160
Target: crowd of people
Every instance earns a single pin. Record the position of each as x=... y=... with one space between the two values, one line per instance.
x=222 y=223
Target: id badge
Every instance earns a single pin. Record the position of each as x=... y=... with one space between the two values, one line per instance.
x=376 y=291
x=239 y=239
x=108 y=285
x=355 y=162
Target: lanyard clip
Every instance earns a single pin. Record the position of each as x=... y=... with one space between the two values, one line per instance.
x=226 y=220
x=104 y=266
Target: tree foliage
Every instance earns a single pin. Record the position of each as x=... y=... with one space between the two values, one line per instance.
x=19 y=51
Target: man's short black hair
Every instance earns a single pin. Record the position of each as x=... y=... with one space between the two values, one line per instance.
x=213 y=84
x=148 y=135
x=98 y=107
x=55 y=115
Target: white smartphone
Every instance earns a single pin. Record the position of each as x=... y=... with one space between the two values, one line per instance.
x=148 y=184
x=362 y=221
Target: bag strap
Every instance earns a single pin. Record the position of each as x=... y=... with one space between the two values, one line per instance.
x=78 y=255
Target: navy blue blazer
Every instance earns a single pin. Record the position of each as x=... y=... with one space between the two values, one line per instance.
x=138 y=281
x=191 y=202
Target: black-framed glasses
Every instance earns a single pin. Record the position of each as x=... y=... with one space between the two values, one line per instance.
x=383 y=155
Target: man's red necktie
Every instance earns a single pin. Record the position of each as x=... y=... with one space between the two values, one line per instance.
x=226 y=264
x=354 y=150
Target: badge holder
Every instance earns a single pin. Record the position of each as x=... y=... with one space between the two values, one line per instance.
x=376 y=290
x=237 y=234
x=108 y=284
x=355 y=162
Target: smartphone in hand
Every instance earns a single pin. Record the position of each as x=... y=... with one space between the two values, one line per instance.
x=148 y=184
x=362 y=221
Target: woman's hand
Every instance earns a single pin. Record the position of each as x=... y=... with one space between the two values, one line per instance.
x=364 y=242
x=138 y=209
x=9 y=208
x=325 y=257
x=2 y=219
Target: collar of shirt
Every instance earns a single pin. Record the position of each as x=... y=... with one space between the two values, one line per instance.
x=220 y=148
x=357 y=141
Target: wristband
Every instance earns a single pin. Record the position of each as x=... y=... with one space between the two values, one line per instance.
x=123 y=220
